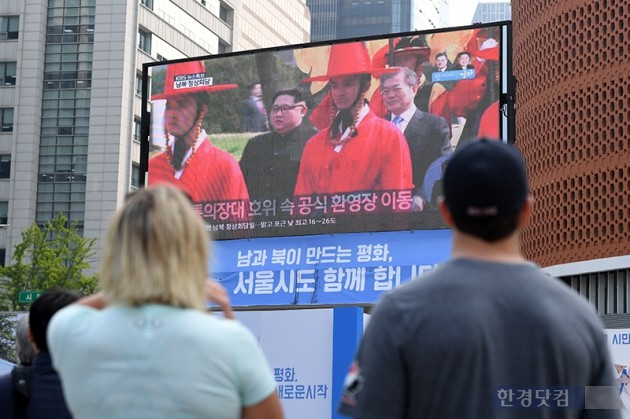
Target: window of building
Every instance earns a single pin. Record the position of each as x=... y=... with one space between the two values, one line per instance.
x=226 y=14
x=9 y=26
x=147 y=3
x=139 y=84
x=6 y=119
x=144 y=41
x=160 y=57
x=4 y=212
x=65 y=120
x=135 y=176
x=7 y=73
x=223 y=13
x=137 y=130
x=60 y=194
x=5 y=166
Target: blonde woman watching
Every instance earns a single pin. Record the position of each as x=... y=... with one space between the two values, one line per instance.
x=144 y=347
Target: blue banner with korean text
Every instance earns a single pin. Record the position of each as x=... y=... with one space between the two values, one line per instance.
x=453 y=75
x=326 y=269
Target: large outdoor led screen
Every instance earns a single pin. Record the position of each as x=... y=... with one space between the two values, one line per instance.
x=351 y=136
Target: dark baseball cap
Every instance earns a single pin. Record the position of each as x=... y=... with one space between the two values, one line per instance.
x=485 y=179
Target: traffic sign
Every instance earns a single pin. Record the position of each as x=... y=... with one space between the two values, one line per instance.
x=29 y=296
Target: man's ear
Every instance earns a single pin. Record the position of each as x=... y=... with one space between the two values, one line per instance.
x=445 y=213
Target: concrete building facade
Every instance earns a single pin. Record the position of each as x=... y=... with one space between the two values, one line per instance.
x=268 y=23
x=70 y=97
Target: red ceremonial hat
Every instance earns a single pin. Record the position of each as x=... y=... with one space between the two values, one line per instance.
x=188 y=78
x=348 y=60
x=412 y=45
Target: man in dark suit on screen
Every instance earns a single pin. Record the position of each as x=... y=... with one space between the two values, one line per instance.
x=271 y=161
x=428 y=135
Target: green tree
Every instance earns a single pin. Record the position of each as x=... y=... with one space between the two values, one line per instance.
x=7 y=337
x=53 y=256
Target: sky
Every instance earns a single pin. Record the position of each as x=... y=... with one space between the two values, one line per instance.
x=461 y=12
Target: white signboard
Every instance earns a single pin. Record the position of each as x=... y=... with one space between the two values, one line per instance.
x=298 y=345
x=619 y=345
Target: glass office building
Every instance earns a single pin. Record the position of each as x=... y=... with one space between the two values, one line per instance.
x=492 y=12
x=340 y=19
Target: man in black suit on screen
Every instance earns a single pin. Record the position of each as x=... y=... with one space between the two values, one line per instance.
x=428 y=135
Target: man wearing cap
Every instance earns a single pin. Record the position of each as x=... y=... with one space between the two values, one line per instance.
x=358 y=151
x=427 y=135
x=271 y=161
x=206 y=173
x=482 y=331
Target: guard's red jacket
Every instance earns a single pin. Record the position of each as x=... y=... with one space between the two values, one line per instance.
x=377 y=159
x=211 y=175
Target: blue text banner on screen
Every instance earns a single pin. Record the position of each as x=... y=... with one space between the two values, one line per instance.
x=327 y=269
x=453 y=75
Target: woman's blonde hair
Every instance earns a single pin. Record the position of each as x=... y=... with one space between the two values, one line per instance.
x=156 y=251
